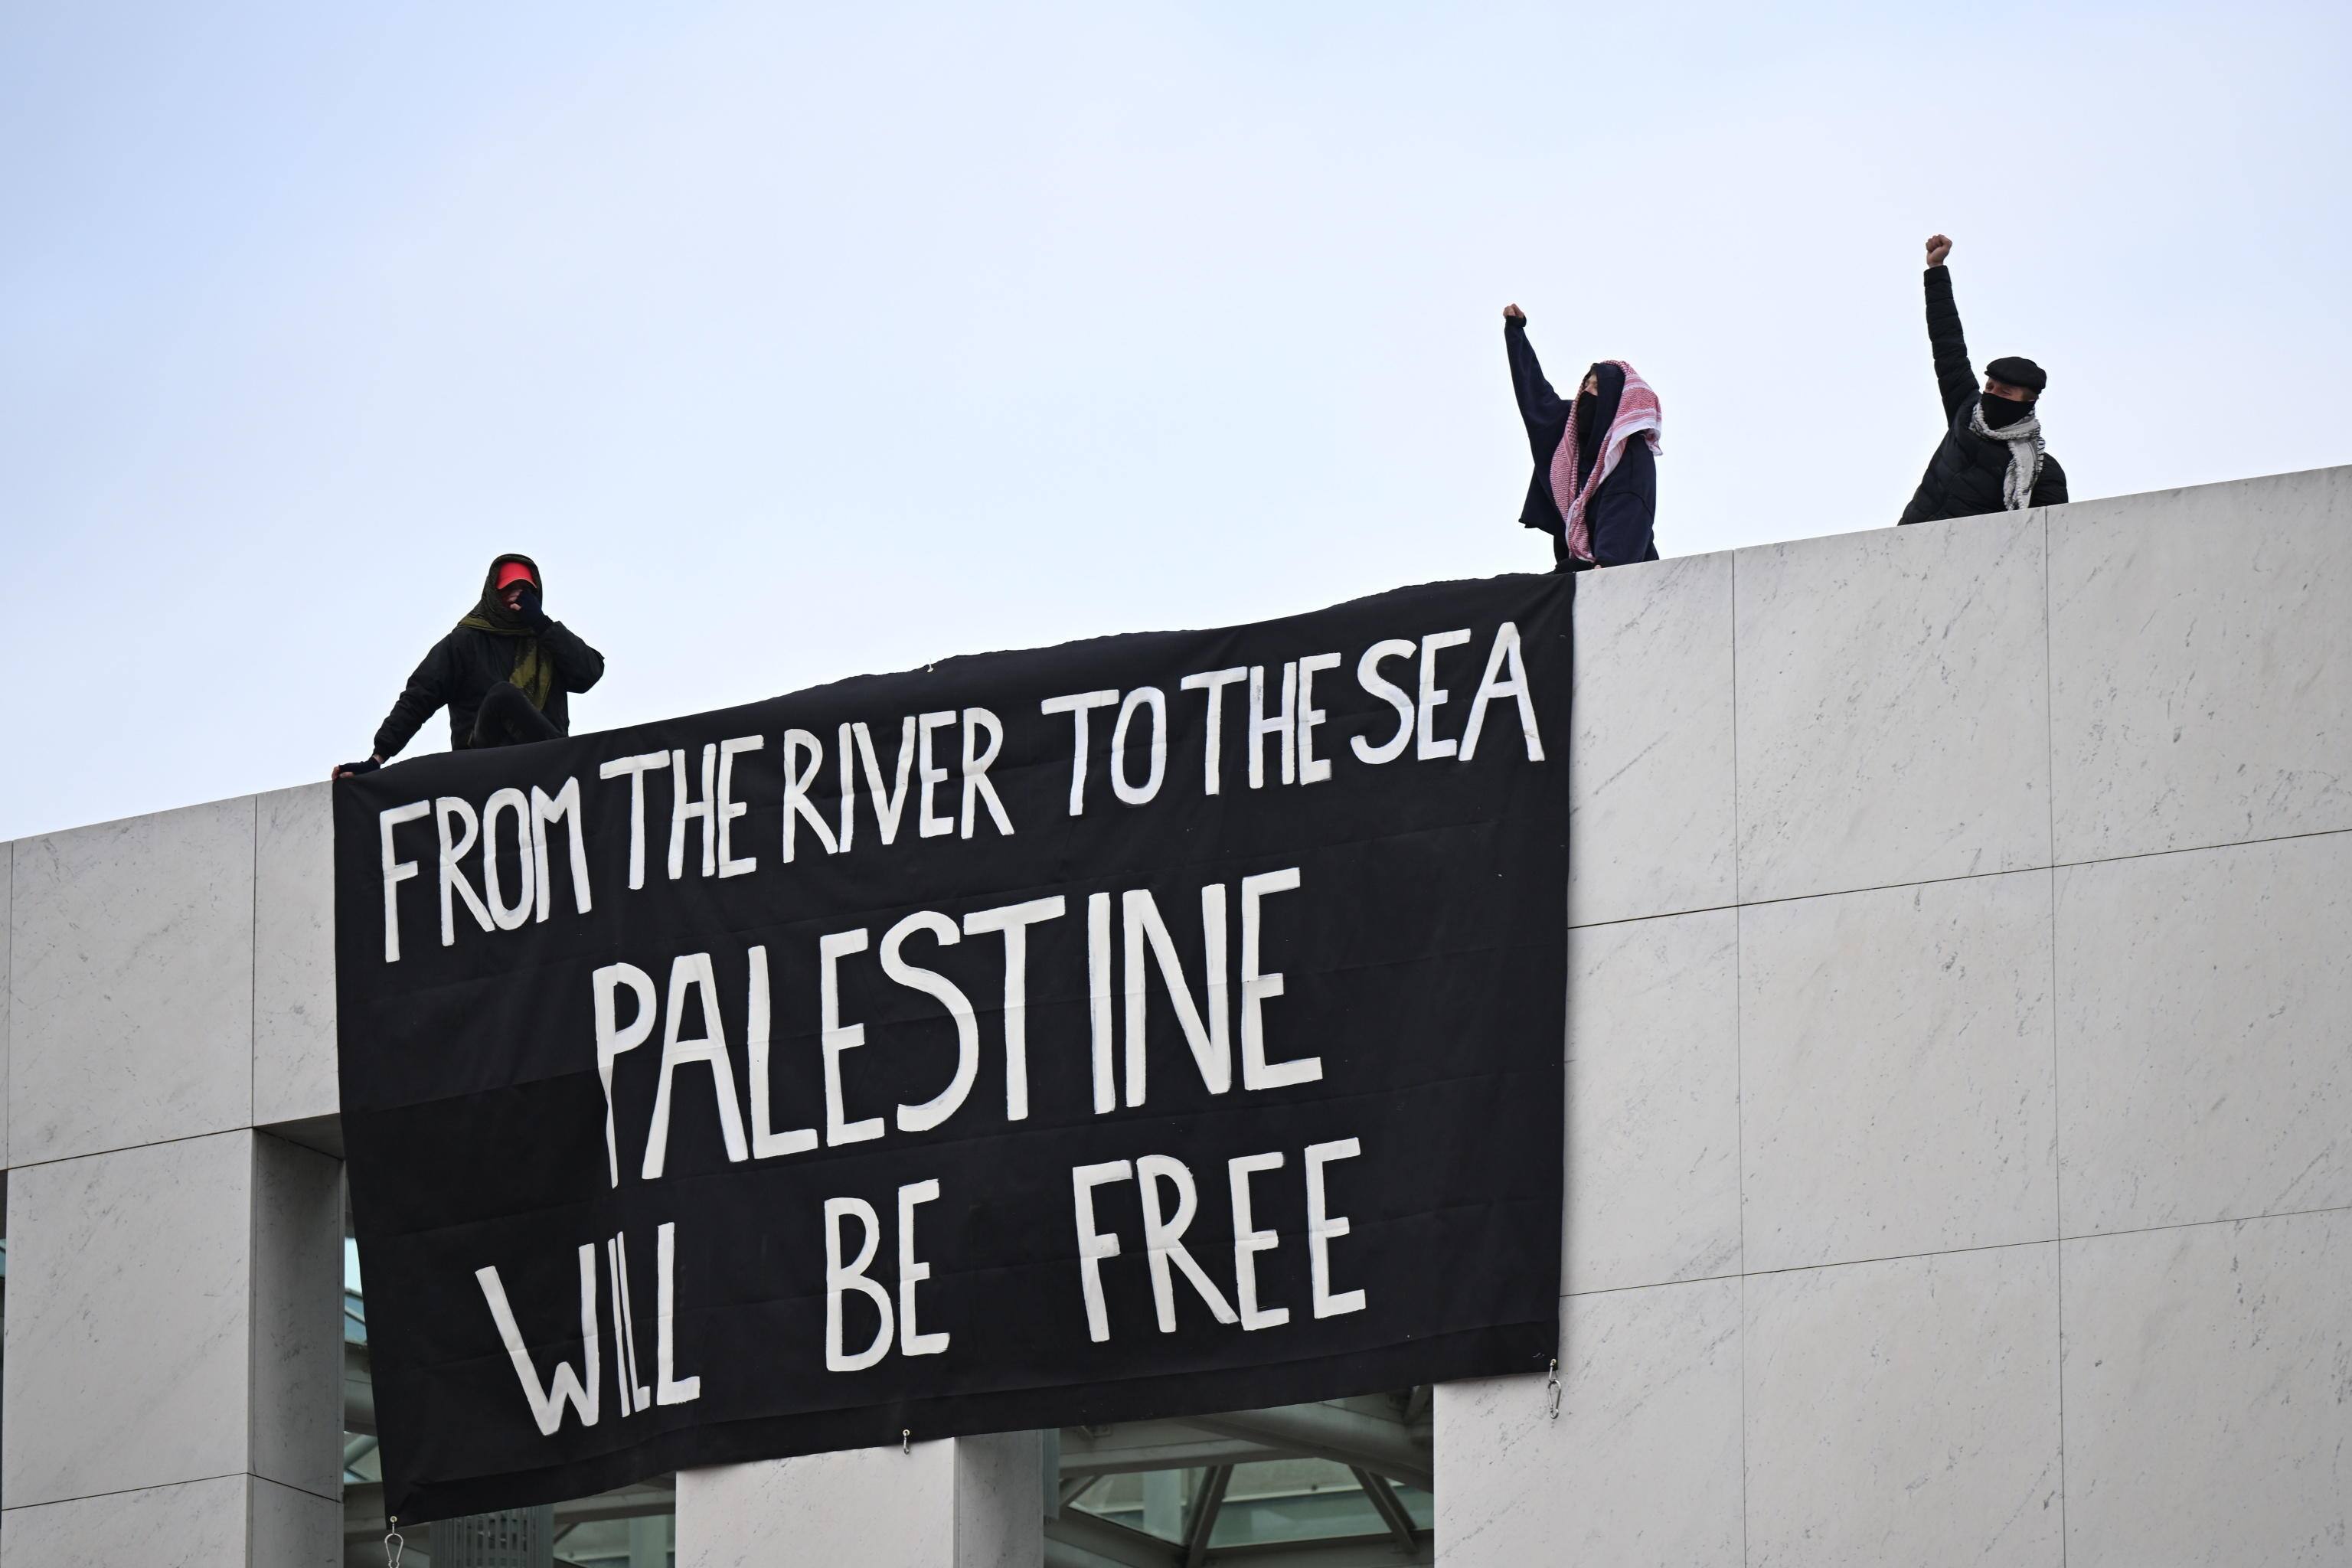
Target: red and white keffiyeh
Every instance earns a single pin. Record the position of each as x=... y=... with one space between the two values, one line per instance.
x=1637 y=414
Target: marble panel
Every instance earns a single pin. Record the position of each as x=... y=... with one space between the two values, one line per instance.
x=2209 y=1394
x=994 y=1526
x=2205 y=1034
x=297 y=1317
x=1905 y=1411
x=287 y=1528
x=8 y=879
x=1893 y=707
x=2201 y=676
x=132 y=1006
x=294 y=956
x=970 y=1502
x=1895 y=1071
x=195 y=1522
x=129 y=1307
x=1649 y=771
x=1643 y=1468
x=1653 y=1102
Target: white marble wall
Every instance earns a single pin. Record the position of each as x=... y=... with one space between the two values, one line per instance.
x=2205 y=1030
x=174 y=1376
x=2209 y=1394
x=7 y=988
x=2006 y=1092
x=130 y=990
x=1652 y=1102
x=227 y=1519
x=173 y=1332
x=1643 y=1468
x=2200 y=646
x=128 y=1319
x=168 y=977
x=1959 y=1056
x=294 y=956
x=970 y=1502
x=1650 y=766
x=1896 y=1094
x=194 y=1522
x=1905 y=1411
x=1893 y=707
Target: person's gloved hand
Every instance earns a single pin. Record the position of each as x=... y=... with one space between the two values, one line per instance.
x=529 y=605
x=352 y=770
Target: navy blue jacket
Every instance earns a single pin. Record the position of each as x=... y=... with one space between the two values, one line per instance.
x=1622 y=514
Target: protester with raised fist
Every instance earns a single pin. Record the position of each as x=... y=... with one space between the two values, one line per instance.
x=1992 y=457
x=505 y=672
x=1595 y=486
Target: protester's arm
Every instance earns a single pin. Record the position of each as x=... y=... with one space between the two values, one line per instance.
x=1540 y=407
x=577 y=666
x=426 y=691
x=1954 y=379
x=1624 y=512
x=2050 y=484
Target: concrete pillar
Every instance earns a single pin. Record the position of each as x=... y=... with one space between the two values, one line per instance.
x=967 y=1503
x=174 y=1361
x=174 y=1370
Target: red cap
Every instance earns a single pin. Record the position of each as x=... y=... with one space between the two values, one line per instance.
x=513 y=572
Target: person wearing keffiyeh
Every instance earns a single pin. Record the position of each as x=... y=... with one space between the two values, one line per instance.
x=1992 y=457
x=1595 y=486
x=505 y=672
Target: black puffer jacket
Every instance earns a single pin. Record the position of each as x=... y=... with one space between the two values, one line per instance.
x=1622 y=514
x=1964 y=478
x=467 y=663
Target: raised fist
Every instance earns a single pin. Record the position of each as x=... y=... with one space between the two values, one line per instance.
x=1938 y=247
x=1513 y=313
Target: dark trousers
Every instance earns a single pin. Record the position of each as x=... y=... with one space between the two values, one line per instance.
x=506 y=718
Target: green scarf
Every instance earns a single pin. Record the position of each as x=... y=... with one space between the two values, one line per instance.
x=533 y=671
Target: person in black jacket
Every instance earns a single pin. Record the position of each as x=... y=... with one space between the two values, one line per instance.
x=505 y=673
x=1605 y=522
x=1992 y=457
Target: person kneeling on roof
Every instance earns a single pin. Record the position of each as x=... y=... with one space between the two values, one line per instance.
x=505 y=673
x=1595 y=486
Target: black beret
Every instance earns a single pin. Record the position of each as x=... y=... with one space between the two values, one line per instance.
x=2018 y=372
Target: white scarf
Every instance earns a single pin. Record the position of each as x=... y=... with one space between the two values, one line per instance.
x=2025 y=445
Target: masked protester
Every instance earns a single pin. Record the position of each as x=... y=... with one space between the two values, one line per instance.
x=1992 y=457
x=1595 y=486
x=505 y=673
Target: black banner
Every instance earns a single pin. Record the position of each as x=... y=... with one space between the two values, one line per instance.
x=1157 y=1025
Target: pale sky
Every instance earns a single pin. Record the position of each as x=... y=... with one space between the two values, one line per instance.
x=799 y=341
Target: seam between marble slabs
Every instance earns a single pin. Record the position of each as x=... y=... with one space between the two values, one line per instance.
x=253 y=975
x=1739 y=1056
x=127 y=1491
x=1971 y=877
x=133 y=1149
x=1980 y=1247
x=7 y=1009
x=253 y=1176
x=2057 y=1101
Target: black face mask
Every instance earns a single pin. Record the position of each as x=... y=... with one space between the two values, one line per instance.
x=2000 y=412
